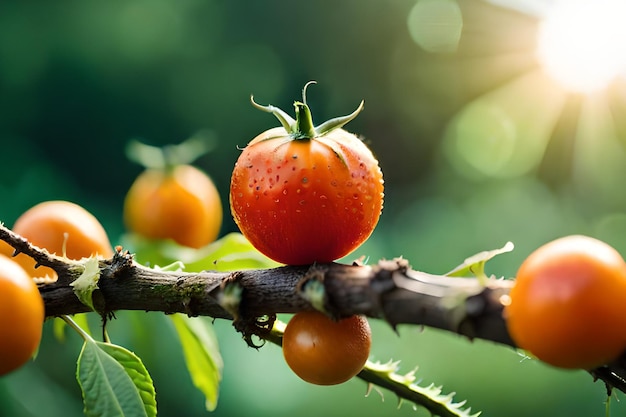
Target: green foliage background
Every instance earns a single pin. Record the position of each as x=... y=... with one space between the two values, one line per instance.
x=78 y=80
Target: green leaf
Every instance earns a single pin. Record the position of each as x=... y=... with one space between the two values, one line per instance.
x=114 y=382
x=430 y=397
x=87 y=282
x=231 y=252
x=175 y=266
x=202 y=355
x=475 y=265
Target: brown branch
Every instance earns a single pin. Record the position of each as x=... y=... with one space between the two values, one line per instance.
x=389 y=290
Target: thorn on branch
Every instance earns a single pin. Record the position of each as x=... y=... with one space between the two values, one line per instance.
x=121 y=263
x=42 y=257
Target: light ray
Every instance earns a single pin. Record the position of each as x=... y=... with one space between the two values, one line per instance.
x=504 y=132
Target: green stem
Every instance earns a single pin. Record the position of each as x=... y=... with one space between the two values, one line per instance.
x=77 y=328
x=304 y=128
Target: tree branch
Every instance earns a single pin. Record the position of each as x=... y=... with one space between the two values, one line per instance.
x=388 y=290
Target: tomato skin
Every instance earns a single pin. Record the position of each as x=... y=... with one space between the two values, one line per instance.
x=21 y=316
x=567 y=304
x=180 y=203
x=45 y=226
x=326 y=352
x=300 y=201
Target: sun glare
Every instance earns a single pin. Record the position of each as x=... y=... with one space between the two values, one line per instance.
x=582 y=44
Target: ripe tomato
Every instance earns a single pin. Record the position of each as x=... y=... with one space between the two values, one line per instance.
x=21 y=316
x=301 y=194
x=326 y=352
x=179 y=203
x=567 y=304
x=59 y=226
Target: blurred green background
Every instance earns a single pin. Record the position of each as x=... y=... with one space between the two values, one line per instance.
x=478 y=143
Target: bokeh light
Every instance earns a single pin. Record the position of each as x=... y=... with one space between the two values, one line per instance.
x=581 y=43
x=436 y=25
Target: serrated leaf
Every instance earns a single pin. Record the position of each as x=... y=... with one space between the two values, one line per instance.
x=430 y=397
x=474 y=265
x=114 y=382
x=202 y=355
x=87 y=282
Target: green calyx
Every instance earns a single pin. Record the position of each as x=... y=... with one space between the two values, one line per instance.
x=169 y=156
x=302 y=126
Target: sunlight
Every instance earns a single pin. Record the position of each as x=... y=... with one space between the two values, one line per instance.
x=504 y=133
x=582 y=44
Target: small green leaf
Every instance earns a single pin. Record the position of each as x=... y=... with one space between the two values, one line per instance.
x=231 y=252
x=202 y=355
x=176 y=266
x=475 y=265
x=114 y=382
x=87 y=282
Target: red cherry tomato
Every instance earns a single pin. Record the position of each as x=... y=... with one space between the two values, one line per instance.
x=301 y=194
x=567 y=305
x=326 y=352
